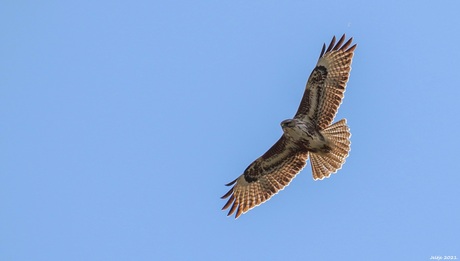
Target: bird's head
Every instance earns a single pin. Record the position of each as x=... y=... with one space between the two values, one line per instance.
x=293 y=127
x=289 y=123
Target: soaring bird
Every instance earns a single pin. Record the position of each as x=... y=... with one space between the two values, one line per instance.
x=309 y=134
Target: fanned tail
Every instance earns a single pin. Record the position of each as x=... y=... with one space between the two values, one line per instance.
x=324 y=164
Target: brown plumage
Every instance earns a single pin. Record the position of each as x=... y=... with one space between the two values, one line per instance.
x=310 y=133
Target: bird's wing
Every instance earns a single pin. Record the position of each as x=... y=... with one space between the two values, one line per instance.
x=266 y=176
x=326 y=84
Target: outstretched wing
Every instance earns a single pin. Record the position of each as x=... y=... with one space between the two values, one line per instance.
x=326 y=84
x=266 y=176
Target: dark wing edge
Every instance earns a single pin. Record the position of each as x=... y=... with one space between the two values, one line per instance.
x=326 y=85
x=264 y=178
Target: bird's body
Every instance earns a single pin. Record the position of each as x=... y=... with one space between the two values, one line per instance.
x=306 y=136
x=309 y=134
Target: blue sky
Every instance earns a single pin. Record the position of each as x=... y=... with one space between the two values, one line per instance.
x=122 y=121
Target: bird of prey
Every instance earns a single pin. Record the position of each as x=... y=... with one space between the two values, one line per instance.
x=310 y=134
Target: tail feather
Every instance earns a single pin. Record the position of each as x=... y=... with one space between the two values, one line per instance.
x=324 y=164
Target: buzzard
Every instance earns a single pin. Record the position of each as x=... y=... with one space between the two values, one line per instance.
x=310 y=134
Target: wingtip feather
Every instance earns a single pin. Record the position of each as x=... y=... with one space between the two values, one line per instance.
x=339 y=43
x=231 y=183
x=338 y=46
x=239 y=212
x=352 y=49
x=229 y=202
x=232 y=209
x=227 y=194
x=331 y=45
x=323 y=50
x=345 y=45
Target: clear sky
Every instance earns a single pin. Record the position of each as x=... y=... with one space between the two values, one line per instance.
x=121 y=121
